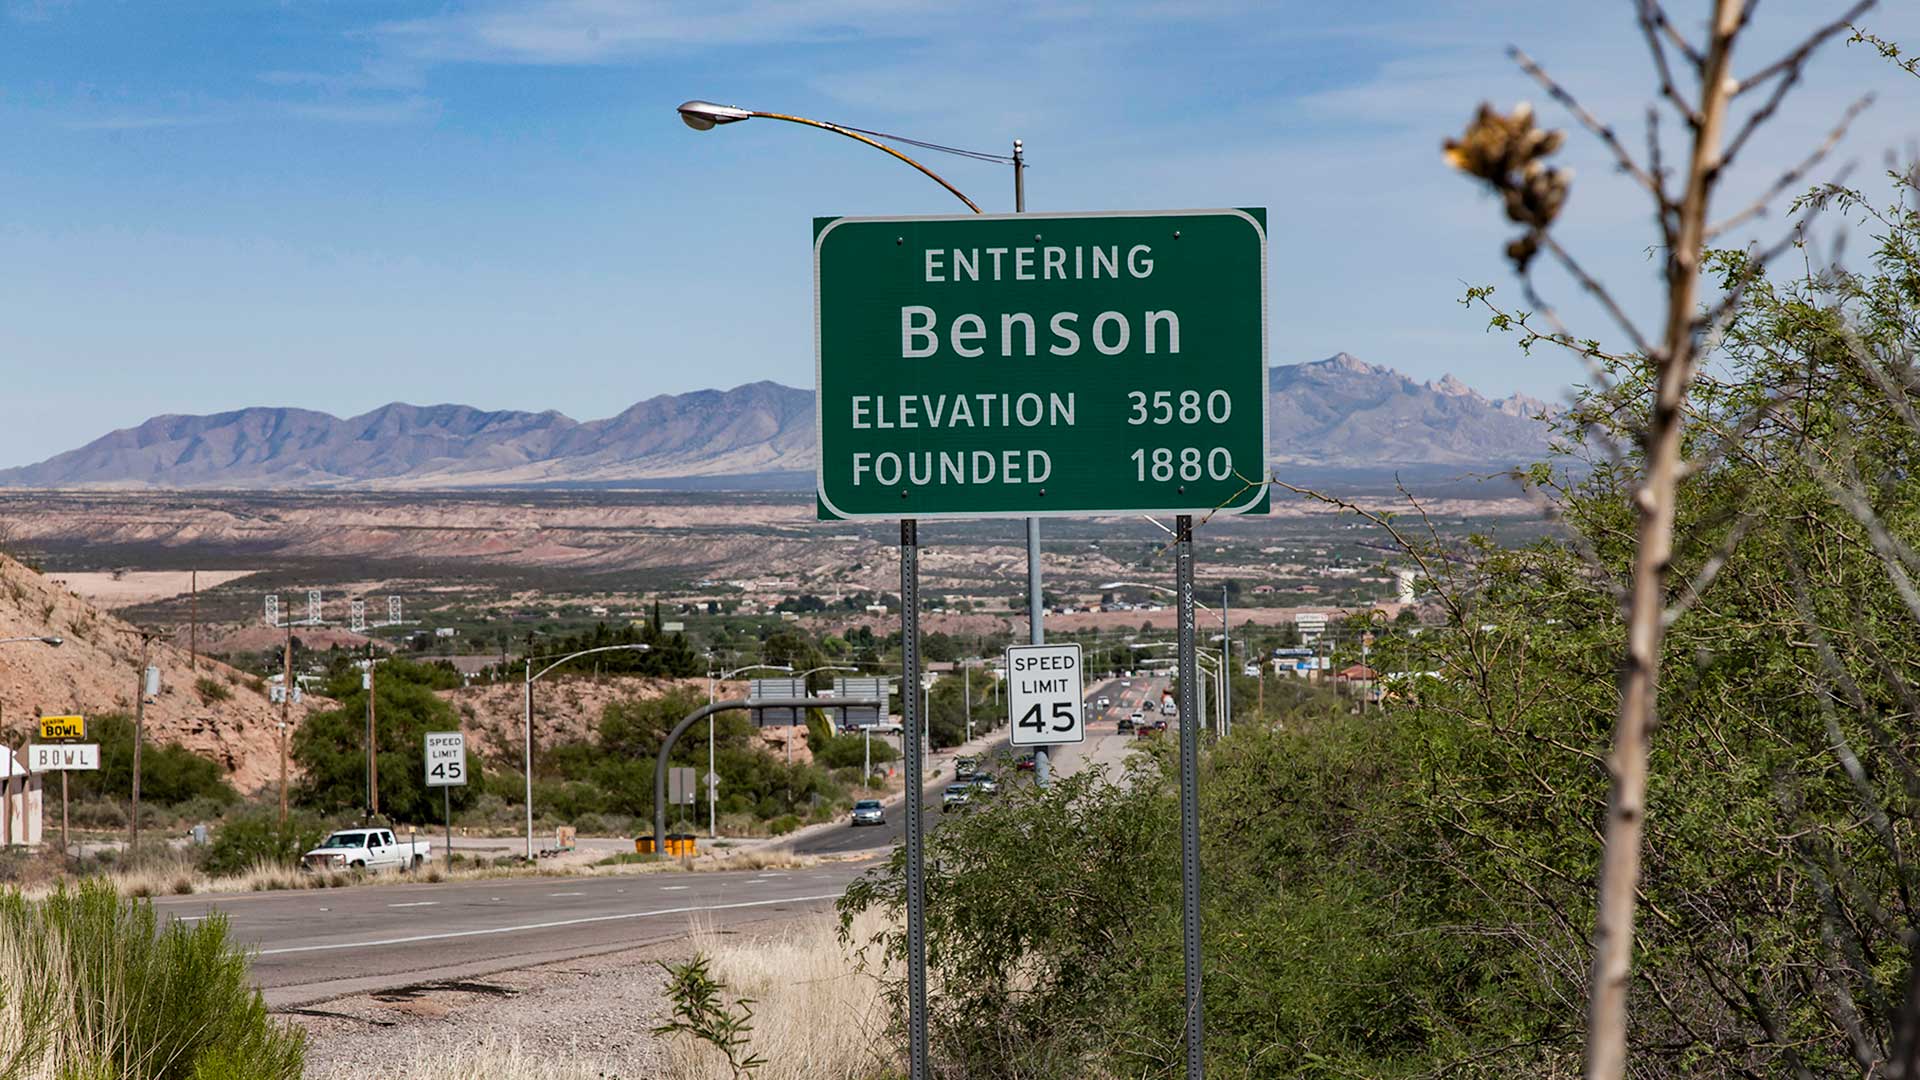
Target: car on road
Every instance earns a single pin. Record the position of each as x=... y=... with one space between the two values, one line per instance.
x=1103 y=702
x=869 y=812
x=1159 y=725
x=983 y=783
x=1144 y=731
x=1136 y=716
x=1025 y=764
x=367 y=849
x=955 y=795
x=885 y=727
x=1126 y=723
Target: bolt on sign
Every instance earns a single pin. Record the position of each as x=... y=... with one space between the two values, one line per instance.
x=1026 y=364
x=63 y=727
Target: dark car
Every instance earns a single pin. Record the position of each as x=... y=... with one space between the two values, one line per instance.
x=1126 y=723
x=1159 y=725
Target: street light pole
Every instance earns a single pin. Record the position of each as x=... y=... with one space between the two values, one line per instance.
x=527 y=759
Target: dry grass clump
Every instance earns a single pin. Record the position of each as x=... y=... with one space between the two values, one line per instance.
x=491 y=1059
x=816 y=1015
x=94 y=985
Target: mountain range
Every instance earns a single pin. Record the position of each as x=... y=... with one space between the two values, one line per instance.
x=1338 y=412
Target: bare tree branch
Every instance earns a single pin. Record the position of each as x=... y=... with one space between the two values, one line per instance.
x=1793 y=61
x=1795 y=174
x=1587 y=120
x=1652 y=22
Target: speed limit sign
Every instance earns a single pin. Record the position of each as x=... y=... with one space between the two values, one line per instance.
x=1044 y=694
x=446 y=759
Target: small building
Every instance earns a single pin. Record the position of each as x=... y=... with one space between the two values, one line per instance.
x=20 y=803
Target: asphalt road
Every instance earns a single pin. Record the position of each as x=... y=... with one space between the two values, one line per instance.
x=313 y=945
x=317 y=944
x=1100 y=748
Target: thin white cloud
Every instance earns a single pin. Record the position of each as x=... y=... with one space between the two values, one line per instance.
x=33 y=11
x=139 y=122
x=562 y=32
x=383 y=113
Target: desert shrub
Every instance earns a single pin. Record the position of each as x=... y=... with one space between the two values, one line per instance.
x=108 y=992
x=331 y=745
x=783 y=824
x=169 y=774
x=850 y=751
x=211 y=690
x=259 y=836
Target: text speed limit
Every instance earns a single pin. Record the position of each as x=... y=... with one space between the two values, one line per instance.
x=446 y=759
x=1044 y=694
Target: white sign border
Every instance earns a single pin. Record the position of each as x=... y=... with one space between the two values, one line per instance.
x=426 y=761
x=1080 y=702
x=1259 y=492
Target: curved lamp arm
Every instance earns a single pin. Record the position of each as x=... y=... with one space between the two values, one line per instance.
x=704 y=115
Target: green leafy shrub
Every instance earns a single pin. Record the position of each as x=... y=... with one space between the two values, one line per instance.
x=259 y=836
x=124 y=998
x=331 y=745
x=169 y=773
x=211 y=690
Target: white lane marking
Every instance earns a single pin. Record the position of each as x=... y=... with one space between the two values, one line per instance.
x=545 y=925
x=192 y=918
x=418 y=903
x=566 y=894
x=674 y=888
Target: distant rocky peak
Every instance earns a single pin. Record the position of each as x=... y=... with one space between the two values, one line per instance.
x=1347 y=362
x=1451 y=387
x=1524 y=405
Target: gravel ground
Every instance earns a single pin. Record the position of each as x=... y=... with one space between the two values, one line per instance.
x=594 y=1013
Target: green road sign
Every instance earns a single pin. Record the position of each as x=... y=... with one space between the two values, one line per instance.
x=1017 y=365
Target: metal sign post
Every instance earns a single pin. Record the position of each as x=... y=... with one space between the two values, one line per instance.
x=446 y=764
x=1189 y=794
x=910 y=726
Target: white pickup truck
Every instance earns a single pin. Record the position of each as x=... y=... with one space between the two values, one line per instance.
x=367 y=849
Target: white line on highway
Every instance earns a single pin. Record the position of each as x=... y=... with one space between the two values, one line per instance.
x=566 y=894
x=674 y=888
x=544 y=925
x=417 y=903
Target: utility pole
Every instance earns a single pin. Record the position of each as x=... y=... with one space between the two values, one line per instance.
x=286 y=714
x=139 y=733
x=373 y=762
x=1226 y=663
x=193 y=622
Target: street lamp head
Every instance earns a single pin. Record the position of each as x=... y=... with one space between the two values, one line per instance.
x=56 y=642
x=705 y=115
x=638 y=647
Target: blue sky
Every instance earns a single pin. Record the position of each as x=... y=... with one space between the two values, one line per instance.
x=206 y=205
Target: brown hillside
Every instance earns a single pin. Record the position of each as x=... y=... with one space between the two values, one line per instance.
x=568 y=709
x=97 y=671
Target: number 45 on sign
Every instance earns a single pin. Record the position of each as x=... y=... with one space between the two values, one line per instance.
x=1044 y=694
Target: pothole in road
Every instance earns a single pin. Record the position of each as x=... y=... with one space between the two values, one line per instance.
x=458 y=986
